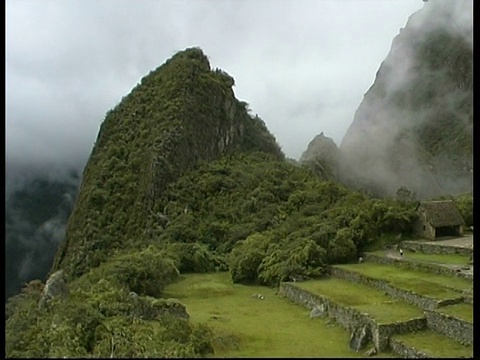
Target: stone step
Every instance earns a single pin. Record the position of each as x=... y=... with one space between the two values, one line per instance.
x=428 y=344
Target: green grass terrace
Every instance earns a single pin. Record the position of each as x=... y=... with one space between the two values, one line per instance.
x=421 y=282
x=436 y=345
x=248 y=327
x=462 y=311
x=381 y=307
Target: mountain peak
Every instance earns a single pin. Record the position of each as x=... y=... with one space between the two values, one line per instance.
x=180 y=114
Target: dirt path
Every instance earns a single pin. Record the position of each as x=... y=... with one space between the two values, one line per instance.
x=465 y=241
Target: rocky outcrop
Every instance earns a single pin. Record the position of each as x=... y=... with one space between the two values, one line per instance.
x=149 y=308
x=359 y=338
x=55 y=286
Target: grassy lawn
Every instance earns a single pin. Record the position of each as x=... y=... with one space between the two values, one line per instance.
x=434 y=285
x=435 y=344
x=454 y=259
x=381 y=307
x=248 y=327
x=463 y=311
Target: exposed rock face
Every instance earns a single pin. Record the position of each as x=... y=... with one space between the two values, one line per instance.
x=360 y=338
x=55 y=286
x=322 y=157
x=414 y=127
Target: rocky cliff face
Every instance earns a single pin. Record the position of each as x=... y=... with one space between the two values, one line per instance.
x=414 y=127
x=179 y=115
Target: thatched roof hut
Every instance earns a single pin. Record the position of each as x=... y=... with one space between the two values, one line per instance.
x=442 y=213
x=439 y=218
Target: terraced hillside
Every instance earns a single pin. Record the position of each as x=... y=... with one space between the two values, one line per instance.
x=408 y=305
x=251 y=321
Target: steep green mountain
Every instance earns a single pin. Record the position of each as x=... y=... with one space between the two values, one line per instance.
x=179 y=115
x=183 y=179
x=414 y=127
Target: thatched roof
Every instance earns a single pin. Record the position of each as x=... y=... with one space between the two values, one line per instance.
x=441 y=213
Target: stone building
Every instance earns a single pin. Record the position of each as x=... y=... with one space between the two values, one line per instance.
x=438 y=218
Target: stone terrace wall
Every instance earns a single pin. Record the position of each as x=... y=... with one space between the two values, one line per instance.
x=457 y=329
x=429 y=248
x=416 y=265
x=423 y=302
x=350 y=318
x=406 y=351
x=347 y=317
x=385 y=331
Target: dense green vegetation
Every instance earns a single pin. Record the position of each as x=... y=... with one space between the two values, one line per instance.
x=261 y=218
x=180 y=114
x=108 y=313
x=267 y=220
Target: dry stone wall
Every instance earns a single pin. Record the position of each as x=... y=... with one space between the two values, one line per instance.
x=350 y=318
x=457 y=329
x=405 y=351
x=385 y=331
x=428 y=248
x=422 y=301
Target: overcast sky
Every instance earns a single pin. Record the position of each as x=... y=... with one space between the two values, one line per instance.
x=302 y=65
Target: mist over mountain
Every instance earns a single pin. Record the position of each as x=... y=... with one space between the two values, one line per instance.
x=182 y=178
x=36 y=212
x=414 y=127
x=322 y=157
